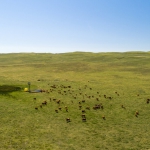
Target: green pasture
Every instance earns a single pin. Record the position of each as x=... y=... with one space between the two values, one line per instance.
x=120 y=82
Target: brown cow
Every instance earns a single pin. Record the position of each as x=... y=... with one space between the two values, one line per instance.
x=83 y=101
x=36 y=108
x=83 y=111
x=84 y=119
x=44 y=103
x=83 y=116
x=104 y=117
x=66 y=108
x=80 y=107
x=87 y=108
x=147 y=101
x=123 y=107
x=56 y=110
x=68 y=120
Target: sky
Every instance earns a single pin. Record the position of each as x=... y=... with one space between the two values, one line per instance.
x=60 y=26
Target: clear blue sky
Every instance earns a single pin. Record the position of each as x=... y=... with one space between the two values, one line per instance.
x=58 y=26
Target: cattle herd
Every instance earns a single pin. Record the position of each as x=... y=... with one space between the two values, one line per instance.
x=77 y=96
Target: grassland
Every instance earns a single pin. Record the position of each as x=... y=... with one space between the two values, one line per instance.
x=124 y=79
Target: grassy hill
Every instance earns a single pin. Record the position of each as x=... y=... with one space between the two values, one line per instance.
x=112 y=89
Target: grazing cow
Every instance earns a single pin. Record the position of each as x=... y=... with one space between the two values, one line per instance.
x=66 y=108
x=147 y=101
x=36 y=108
x=83 y=101
x=68 y=120
x=94 y=107
x=56 y=110
x=80 y=107
x=44 y=103
x=83 y=111
x=123 y=106
x=137 y=113
x=98 y=106
x=87 y=108
x=103 y=117
x=84 y=119
x=58 y=101
x=97 y=99
x=83 y=116
x=53 y=86
x=117 y=93
x=109 y=97
x=34 y=98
